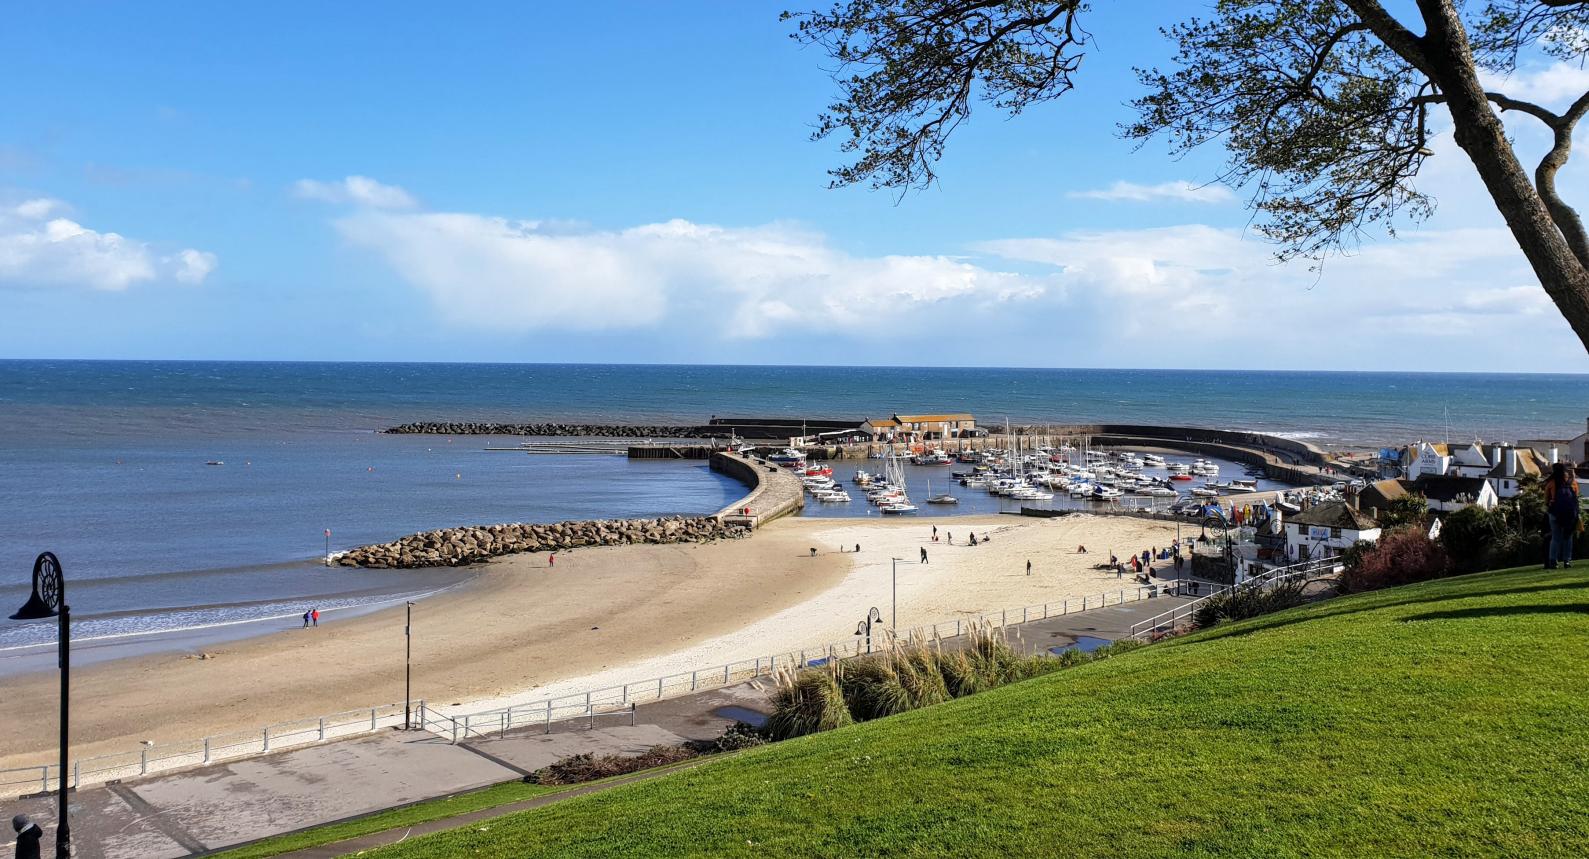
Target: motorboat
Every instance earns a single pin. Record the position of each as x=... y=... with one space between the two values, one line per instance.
x=788 y=458
x=898 y=508
x=1205 y=492
x=831 y=495
x=943 y=498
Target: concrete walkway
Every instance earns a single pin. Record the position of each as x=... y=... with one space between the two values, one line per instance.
x=209 y=808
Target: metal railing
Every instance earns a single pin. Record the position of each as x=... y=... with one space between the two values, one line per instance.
x=206 y=750
x=597 y=706
x=622 y=698
x=1169 y=620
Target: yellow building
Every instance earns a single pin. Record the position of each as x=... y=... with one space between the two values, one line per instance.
x=931 y=427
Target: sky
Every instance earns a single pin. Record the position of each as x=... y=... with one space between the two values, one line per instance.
x=635 y=183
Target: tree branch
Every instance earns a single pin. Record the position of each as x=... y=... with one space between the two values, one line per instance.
x=1403 y=41
x=1505 y=102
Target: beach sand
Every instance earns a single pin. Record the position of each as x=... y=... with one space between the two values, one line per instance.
x=602 y=616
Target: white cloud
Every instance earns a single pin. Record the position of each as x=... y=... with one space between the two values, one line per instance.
x=1180 y=191
x=494 y=273
x=39 y=250
x=1552 y=85
x=355 y=190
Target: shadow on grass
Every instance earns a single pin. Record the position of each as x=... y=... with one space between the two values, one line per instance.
x=1500 y=611
x=1433 y=591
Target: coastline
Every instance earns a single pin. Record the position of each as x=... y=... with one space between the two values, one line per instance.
x=522 y=630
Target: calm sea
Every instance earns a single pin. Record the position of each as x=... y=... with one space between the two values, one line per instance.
x=104 y=462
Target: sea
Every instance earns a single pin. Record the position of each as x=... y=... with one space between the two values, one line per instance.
x=105 y=463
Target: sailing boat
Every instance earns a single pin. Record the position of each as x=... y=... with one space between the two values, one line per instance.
x=941 y=498
x=896 y=477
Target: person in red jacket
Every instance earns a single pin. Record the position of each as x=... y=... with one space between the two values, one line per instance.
x=1561 y=504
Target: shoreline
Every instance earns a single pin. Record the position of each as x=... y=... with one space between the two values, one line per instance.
x=522 y=630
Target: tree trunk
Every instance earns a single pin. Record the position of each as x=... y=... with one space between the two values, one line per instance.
x=1478 y=130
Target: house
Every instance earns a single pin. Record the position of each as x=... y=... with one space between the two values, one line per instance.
x=1447 y=494
x=1575 y=449
x=931 y=427
x=1425 y=458
x=1510 y=467
x=1378 y=495
x=881 y=429
x=1505 y=467
x=1468 y=461
x=1327 y=529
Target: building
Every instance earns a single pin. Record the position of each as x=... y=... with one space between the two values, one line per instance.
x=881 y=429
x=1448 y=494
x=1505 y=467
x=1377 y=496
x=1511 y=467
x=1327 y=529
x=934 y=427
x=1575 y=449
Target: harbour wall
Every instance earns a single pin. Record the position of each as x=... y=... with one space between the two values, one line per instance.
x=774 y=492
x=469 y=544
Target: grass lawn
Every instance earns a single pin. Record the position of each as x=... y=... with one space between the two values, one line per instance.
x=1443 y=719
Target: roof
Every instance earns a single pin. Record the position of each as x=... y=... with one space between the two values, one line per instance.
x=1447 y=489
x=932 y=419
x=1528 y=463
x=1380 y=494
x=1334 y=514
x=880 y=422
x=1470 y=455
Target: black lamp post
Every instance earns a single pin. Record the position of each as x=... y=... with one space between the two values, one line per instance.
x=408 y=653
x=865 y=626
x=49 y=600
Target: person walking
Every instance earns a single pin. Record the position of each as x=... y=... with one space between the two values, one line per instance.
x=314 y=616
x=1028 y=566
x=551 y=560
x=935 y=532
x=1561 y=505
x=950 y=536
x=28 y=835
x=924 y=554
x=305 y=618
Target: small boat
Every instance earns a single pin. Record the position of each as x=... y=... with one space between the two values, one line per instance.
x=899 y=507
x=1182 y=476
x=944 y=498
x=215 y=462
x=1205 y=492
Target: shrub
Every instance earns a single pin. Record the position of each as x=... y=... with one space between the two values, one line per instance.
x=806 y=702
x=1242 y=603
x=1410 y=509
x=1401 y=557
x=739 y=736
x=583 y=768
x=1471 y=537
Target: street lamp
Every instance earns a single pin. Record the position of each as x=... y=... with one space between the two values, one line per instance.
x=893 y=610
x=865 y=626
x=49 y=600
x=408 y=653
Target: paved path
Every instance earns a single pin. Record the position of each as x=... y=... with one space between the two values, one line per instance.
x=221 y=805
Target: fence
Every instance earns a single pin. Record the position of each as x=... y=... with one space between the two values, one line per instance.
x=242 y=744
x=597 y=706
x=1171 y=619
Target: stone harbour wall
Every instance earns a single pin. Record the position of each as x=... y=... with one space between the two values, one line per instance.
x=452 y=547
x=556 y=430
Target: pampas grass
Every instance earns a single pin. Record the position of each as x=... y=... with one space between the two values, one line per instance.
x=807 y=702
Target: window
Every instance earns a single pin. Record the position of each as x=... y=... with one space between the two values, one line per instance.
x=1335 y=533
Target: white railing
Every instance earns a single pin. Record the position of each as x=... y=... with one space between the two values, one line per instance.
x=597 y=706
x=621 y=699
x=1169 y=620
x=242 y=744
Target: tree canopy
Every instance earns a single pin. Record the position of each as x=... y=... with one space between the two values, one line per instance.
x=1322 y=107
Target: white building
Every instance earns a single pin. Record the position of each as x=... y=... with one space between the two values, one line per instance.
x=1326 y=530
x=1504 y=467
x=1450 y=494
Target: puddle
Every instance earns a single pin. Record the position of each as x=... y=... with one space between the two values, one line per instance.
x=741 y=714
x=1084 y=643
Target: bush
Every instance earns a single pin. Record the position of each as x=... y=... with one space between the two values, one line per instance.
x=1472 y=536
x=806 y=702
x=739 y=736
x=583 y=768
x=1400 y=557
x=1245 y=602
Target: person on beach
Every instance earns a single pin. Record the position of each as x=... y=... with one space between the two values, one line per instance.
x=813 y=551
x=314 y=616
x=950 y=536
x=973 y=538
x=1561 y=506
x=935 y=533
x=924 y=554
x=985 y=537
x=1081 y=550
x=305 y=618
x=28 y=835
x=857 y=548
x=1028 y=566
x=551 y=560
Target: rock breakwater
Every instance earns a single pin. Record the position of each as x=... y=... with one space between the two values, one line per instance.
x=569 y=430
x=452 y=547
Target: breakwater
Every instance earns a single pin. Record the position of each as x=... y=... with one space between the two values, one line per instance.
x=557 y=430
x=452 y=547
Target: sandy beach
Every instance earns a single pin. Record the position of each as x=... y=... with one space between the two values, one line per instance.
x=524 y=630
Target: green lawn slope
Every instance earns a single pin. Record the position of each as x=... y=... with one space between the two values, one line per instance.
x=1444 y=719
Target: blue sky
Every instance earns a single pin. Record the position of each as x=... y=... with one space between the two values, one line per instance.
x=634 y=183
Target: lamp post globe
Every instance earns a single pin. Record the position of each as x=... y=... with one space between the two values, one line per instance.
x=49 y=600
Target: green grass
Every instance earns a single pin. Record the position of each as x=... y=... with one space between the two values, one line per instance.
x=460 y=803
x=1444 y=719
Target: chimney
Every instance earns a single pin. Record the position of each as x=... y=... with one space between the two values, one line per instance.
x=1554 y=453
x=1511 y=462
x=1495 y=455
x=1373 y=513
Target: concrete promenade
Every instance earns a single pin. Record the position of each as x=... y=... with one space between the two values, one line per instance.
x=196 y=811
